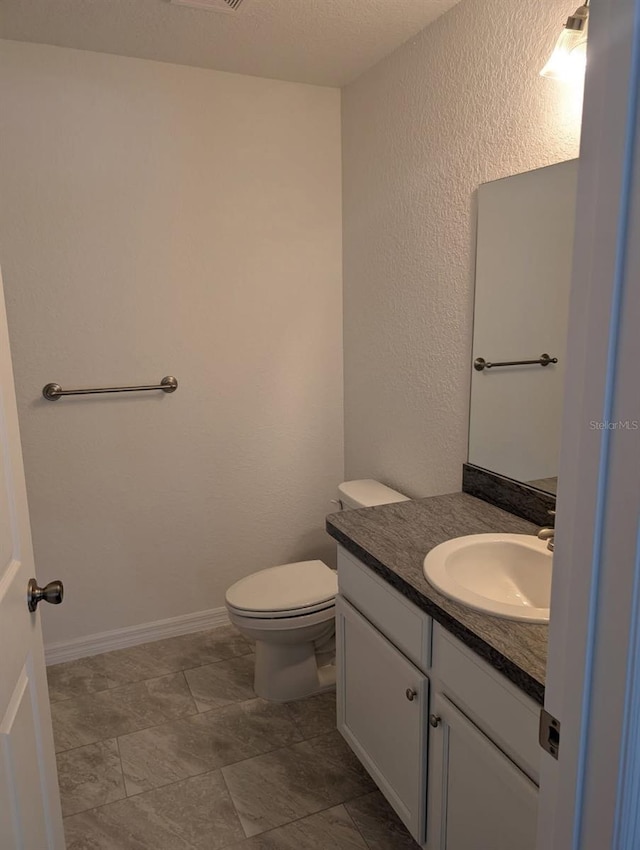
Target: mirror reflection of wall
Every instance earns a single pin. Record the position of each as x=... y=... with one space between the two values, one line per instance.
x=523 y=272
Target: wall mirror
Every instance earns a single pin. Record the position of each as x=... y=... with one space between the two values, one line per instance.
x=523 y=272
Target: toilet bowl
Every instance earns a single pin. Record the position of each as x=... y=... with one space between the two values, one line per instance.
x=289 y=611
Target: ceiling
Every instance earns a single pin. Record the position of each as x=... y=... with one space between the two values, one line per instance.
x=325 y=42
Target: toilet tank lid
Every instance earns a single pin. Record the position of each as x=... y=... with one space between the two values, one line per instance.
x=366 y=493
x=284 y=588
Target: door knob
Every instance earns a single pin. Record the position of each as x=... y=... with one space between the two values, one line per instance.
x=434 y=720
x=411 y=694
x=52 y=592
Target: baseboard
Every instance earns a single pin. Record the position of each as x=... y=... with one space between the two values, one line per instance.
x=70 y=650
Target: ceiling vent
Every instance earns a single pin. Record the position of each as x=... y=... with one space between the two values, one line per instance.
x=212 y=5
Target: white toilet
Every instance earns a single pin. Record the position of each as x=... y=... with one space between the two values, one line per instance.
x=289 y=611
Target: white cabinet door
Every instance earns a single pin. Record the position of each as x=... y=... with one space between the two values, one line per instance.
x=382 y=714
x=30 y=817
x=479 y=799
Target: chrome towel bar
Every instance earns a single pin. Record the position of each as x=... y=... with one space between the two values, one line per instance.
x=479 y=364
x=52 y=392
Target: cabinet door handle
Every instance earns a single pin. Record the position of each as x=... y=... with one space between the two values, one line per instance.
x=434 y=720
x=410 y=694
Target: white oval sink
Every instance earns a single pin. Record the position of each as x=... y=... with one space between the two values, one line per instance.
x=508 y=575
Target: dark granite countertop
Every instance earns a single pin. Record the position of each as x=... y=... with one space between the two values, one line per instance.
x=393 y=540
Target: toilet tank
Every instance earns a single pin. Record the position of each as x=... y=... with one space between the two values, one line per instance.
x=366 y=493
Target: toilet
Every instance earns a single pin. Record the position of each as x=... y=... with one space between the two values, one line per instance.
x=289 y=611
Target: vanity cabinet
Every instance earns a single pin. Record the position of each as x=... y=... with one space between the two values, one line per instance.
x=450 y=742
x=478 y=797
x=382 y=713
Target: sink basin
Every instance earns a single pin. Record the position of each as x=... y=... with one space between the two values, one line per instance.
x=507 y=575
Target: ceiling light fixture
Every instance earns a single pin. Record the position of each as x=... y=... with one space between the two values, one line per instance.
x=569 y=57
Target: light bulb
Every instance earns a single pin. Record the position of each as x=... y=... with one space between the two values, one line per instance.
x=569 y=57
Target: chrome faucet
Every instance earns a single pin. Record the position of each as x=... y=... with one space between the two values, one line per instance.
x=548 y=534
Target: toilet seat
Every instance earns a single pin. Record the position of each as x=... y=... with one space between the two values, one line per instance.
x=286 y=614
x=288 y=590
x=281 y=622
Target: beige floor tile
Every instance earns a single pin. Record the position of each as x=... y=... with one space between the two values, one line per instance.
x=107 y=714
x=164 y=754
x=290 y=783
x=314 y=715
x=379 y=824
x=195 y=650
x=223 y=683
x=90 y=776
x=294 y=782
x=332 y=829
x=196 y=814
x=77 y=678
x=147 y=661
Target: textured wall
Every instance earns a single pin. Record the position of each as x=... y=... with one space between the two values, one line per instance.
x=159 y=219
x=459 y=105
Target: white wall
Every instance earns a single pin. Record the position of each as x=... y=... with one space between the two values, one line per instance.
x=460 y=104
x=158 y=219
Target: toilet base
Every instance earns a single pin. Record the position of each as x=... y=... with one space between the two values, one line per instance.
x=288 y=672
x=294 y=655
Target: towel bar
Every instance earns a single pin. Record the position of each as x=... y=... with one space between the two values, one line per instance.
x=479 y=364
x=52 y=392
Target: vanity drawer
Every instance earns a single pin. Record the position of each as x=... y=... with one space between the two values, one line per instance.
x=501 y=710
x=403 y=623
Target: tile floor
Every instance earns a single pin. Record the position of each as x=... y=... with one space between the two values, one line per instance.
x=166 y=746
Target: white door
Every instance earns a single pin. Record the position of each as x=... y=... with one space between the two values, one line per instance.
x=30 y=815
x=589 y=795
